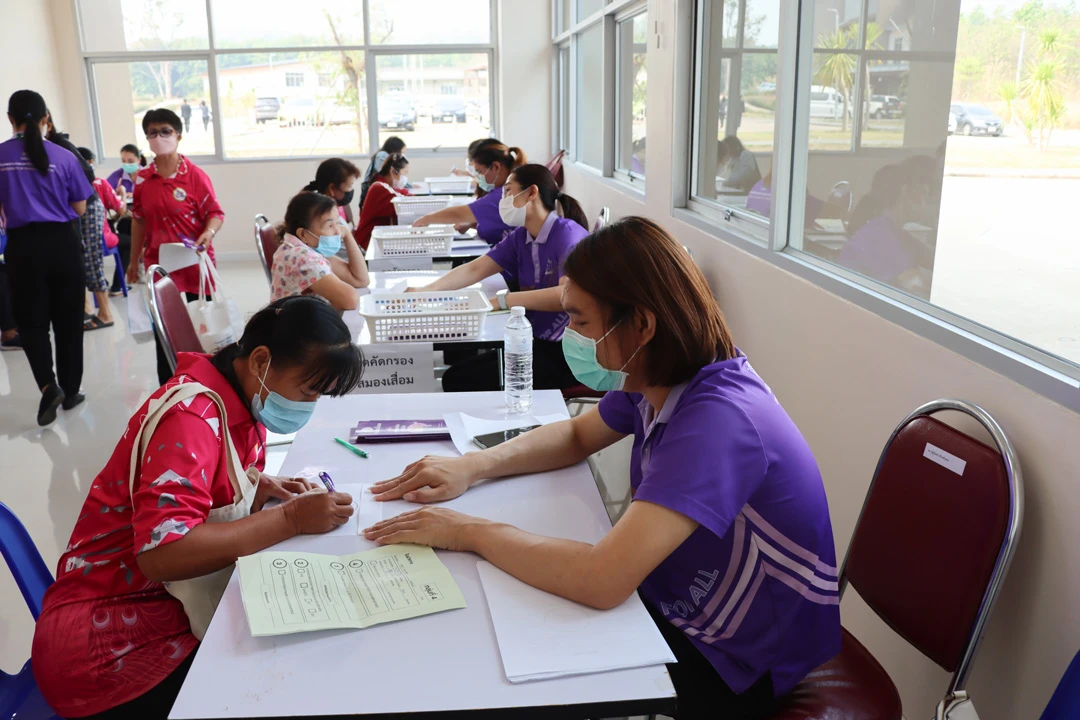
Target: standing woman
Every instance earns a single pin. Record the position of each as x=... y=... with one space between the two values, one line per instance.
x=123 y=181
x=492 y=162
x=379 y=208
x=531 y=258
x=393 y=144
x=335 y=179
x=43 y=191
x=174 y=201
x=92 y=227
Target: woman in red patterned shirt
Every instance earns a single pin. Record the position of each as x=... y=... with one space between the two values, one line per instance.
x=113 y=641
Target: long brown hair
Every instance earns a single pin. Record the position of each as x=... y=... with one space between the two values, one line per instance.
x=490 y=151
x=634 y=264
x=538 y=175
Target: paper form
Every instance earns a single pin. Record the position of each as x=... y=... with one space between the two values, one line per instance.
x=288 y=592
x=543 y=636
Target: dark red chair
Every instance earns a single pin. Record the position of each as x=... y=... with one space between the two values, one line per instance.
x=266 y=244
x=555 y=166
x=929 y=555
x=169 y=313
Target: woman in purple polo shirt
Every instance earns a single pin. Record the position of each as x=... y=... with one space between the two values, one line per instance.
x=492 y=164
x=123 y=181
x=728 y=537
x=531 y=258
x=43 y=192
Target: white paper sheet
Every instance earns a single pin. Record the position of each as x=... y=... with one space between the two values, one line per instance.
x=368 y=511
x=463 y=428
x=176 y=256
x=542 y=636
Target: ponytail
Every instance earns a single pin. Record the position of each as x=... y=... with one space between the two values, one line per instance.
x=551 y=197
x=517 y=157
x=489 y=151
x=26 y=106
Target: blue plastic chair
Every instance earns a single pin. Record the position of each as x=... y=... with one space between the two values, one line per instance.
x=1065 y=703
x=19 y=695
x=114 y=253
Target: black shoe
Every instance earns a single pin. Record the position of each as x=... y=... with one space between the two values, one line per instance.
x=50 y=400
x=71 y=401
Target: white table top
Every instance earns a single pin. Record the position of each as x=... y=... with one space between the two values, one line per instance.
x=494 y=323
x=438 y=663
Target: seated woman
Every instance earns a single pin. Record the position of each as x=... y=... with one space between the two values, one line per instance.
x=393 y=144
x=728 y=536
x=378 y=208
x=532 y=255
x=335 y=178
x=182 y=497
x=736 y=165
x=306 y=262
x=880 y=247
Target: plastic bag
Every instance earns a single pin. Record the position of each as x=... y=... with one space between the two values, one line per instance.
x=139 y=322
x=218 y=321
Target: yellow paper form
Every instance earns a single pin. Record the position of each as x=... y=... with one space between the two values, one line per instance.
x=288 y=592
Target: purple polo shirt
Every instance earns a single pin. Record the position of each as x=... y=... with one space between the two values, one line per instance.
x=536 y=263
x=27 y=196
x=755 y=586
x=120 y=176
x=489 y=224
x=877 y=251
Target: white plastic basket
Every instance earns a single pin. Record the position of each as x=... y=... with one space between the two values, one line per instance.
x=407 y=241
x=425 y=316
x=409 y=208
x=449 y=184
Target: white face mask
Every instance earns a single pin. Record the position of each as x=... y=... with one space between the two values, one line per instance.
x=511 y=215
x=401 y=182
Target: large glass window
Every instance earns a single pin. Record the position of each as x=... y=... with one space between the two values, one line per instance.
x=290 y=80
x=632 y=83
x=585 y=8
x=564 y=97
x=589 y=94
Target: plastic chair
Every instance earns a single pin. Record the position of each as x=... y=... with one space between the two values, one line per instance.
x=266 y=244
x=929 y=555
x=602 y=219
x=114 y=253
x=555 y=166
x=19 y=695
x=1065 y=703
x=169 y=313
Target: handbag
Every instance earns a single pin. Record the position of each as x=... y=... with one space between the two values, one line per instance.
x=218 y=321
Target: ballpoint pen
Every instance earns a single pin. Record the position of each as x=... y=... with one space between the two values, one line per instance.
x=355 y=450
x=327 y=481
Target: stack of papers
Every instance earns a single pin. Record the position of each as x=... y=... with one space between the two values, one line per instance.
x=542 y=636
x=289 y=592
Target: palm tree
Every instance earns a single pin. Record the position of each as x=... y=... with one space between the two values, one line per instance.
x=873 y=42
x=836 y=70
x=1043 y=92
x=1009 y=94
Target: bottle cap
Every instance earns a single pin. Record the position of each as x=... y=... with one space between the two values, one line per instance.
x=517 y=311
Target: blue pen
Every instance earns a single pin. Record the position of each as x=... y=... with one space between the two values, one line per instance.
x=327 y=482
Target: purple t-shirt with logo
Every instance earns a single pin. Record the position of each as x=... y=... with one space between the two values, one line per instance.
x=537 y=263
x=489 y=224
x=27 y=196
x=755 y=586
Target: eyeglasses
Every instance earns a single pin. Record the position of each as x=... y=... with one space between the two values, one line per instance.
x=165 y=132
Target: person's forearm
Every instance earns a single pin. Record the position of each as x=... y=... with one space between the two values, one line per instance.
x=357 y=266
x=566 y=568
x=210 y=547
x=460 y=277
x=138 y=234
x=214 y=224
x=545 y=300
x=450 y=216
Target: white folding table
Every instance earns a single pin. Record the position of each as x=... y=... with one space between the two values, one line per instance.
x=438 y=666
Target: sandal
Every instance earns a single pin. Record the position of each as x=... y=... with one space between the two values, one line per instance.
x=96 y=323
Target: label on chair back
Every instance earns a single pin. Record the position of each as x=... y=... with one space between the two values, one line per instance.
x=945 y=459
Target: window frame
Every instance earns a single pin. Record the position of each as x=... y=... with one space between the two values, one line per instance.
x=626 y=16
x=211 y=53
x=1043 y=372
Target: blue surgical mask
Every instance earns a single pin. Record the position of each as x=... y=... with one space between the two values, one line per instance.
x=329 y=245
x=580 y=354
x=130 y=168
x=279 y=414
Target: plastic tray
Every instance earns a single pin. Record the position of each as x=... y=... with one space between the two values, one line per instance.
x=449 y=184
x=408 y=241
x=409 y=208
x=425 y=316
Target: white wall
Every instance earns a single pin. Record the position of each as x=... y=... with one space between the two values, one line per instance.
x=30 y=61
x=847 y=377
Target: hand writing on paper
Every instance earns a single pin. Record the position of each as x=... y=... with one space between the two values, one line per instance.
x=435 y=527
x=283 y=489
x=318 y=511
x=429 y=479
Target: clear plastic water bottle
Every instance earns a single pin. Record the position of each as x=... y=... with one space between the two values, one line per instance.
x=518 y=357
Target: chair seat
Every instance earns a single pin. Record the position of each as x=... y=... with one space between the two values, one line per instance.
x=851 y=686
x=20 y=698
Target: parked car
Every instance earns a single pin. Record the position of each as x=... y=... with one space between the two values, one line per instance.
x=766 y=87
x=299 y=111
x=448 y=109
x=974 y=119
x=952 y=123
x=397 y=112
x=266 y=108
x=826 y=102
x=882 y=106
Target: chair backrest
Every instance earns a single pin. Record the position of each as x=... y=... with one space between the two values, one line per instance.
x=555 y=166
x=937 y=533
x=602 y=219
x=23 y=559
x=169 y=313
x=1065 y=703
x=266 y=244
